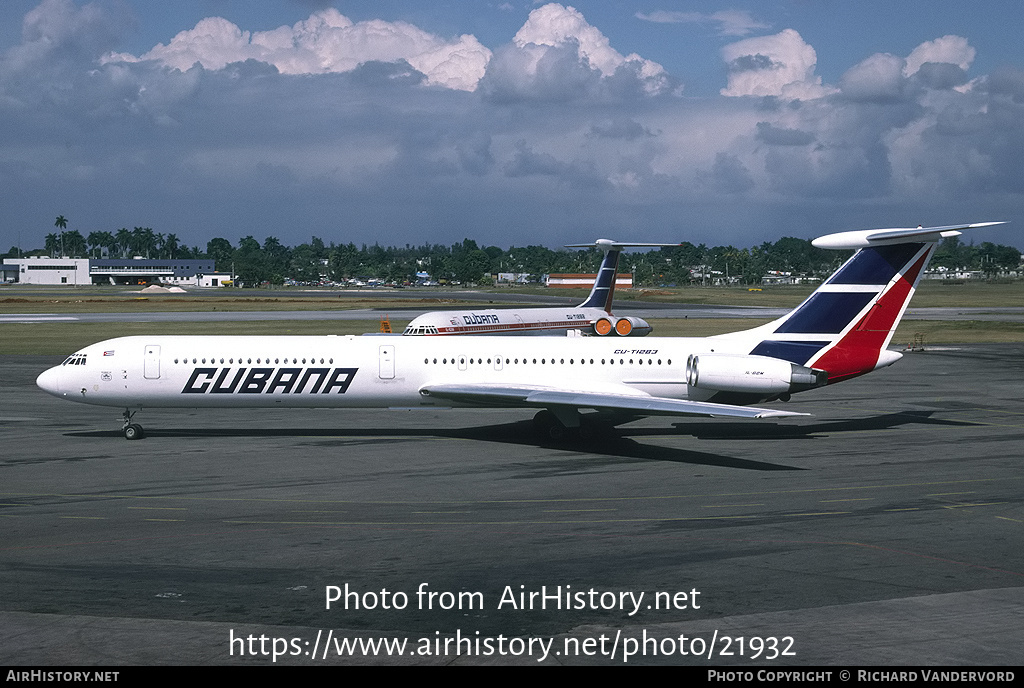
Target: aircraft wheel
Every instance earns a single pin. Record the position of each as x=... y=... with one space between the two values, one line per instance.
x=548 y=424
x=558 y=432
x=134 y=431
x=544 y=420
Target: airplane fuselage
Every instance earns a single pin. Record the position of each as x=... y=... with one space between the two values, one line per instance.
x=362 y=371
x=491 y=321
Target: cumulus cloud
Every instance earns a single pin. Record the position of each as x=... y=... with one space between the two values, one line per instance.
x=780 y=65
x=325 y=127
x=730 y=22
x=879 y=78
x=948 y=49
x=555 y=46
x=57 y=34
x=327 y=42
x=884 y=78
x=727 y=175
x=781 y=136
x=1007 y=81
x=558 y=55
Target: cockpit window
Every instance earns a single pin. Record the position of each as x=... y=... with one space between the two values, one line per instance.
x=75 y=359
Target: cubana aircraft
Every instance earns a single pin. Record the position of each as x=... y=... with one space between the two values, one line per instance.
x=593 y=316
x=840 y=332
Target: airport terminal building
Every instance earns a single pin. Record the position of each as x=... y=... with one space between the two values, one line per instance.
x=86 y=271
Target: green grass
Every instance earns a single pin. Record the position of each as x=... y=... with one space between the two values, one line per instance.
x=40 y=299
x=930 y=294
x=959 y=332
x=54 y=339
x=170 y=303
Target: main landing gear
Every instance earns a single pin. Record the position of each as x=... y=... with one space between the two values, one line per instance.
x=132 y=431
x=565 y=425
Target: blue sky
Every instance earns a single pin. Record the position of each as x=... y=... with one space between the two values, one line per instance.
x=509 y=122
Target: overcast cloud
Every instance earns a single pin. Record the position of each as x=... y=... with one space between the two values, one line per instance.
x=381 y=131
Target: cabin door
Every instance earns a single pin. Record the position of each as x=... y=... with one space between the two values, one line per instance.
x=387 y=362
x=151 y=365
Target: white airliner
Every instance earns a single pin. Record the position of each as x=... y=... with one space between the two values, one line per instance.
x=593 y=316
x=841 y=331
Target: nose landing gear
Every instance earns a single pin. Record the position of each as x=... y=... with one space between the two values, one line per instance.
x=132 y=431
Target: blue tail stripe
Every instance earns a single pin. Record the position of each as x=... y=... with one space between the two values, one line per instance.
x=826 y=313
x=794 y=352
x=875 y=265
x=604 y=283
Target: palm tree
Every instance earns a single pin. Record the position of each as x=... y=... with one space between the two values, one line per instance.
x=52 y=243
x=143 y=240
x=124 y=242
x=74 y=242
x=101 y=240
x=61 y=224
x=171 y=245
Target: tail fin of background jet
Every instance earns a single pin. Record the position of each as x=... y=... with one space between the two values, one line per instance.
x=845 y=326
x=604 y=286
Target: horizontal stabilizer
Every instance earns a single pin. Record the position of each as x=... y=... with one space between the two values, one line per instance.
x=862 y=238
x=643 y=405
x=608 y=245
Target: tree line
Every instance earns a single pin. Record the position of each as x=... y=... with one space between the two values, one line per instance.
x=141 y=241
x=467 y=263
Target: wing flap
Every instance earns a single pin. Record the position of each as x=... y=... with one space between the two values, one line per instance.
x=645 y=405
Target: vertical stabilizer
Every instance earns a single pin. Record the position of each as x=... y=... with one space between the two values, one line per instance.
x=604 y=286
x=845 y=326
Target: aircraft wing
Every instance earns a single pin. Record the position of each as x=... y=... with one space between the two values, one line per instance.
x=639 y=404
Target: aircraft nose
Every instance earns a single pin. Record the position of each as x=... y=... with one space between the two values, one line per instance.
x=49 y=381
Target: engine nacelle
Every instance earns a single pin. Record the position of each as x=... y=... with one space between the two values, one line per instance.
x=754 y=374
x=621 y=327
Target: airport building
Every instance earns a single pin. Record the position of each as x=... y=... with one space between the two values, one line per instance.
x=86 y=271
x=623 y=280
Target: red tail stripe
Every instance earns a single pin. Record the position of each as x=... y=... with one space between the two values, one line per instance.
x=857 y=352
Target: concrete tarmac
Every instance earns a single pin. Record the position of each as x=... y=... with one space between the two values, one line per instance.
x=883 y=530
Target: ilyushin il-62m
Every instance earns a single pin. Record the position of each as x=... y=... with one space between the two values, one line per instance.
x=841 y=331
x=593 y=316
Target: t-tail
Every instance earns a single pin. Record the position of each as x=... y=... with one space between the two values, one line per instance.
x=844 y=328
x=604 y=286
